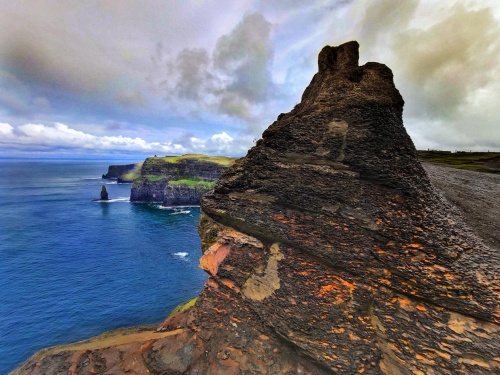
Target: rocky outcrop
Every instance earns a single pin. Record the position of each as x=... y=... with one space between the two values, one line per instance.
x=104 y=193
x=328 y=251
x=157 y=174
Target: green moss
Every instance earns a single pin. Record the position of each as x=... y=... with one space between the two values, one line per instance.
x=192 y=182
x=183 y=306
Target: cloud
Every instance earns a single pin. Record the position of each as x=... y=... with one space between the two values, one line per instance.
x=40 y=137
x=192 y=75
x=244 y=57
x=446 y=65
x=6 y=130
x=231 y=80
x=221 y=144
x=383 y=15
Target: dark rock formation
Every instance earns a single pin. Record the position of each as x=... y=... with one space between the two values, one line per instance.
x=153 y=185
x=328 y=252
x=104 y=193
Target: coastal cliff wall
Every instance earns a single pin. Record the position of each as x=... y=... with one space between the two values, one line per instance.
x=183 y=195
x=177 y=180
x=144 y=190
x=328 y=251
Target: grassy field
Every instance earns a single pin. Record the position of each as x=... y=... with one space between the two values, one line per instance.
x=222 y=160
x=488 y=162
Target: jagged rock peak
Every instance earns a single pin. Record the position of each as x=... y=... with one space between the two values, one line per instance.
x=349 y=117
x=343 y=57
x=340 y=76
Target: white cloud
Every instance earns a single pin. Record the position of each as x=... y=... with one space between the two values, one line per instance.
x=38 y=137
x=220 y=144
x=222 y=138
x=6 y=129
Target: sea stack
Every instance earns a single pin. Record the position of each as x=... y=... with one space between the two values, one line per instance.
x=104 y=193
x=328 y=252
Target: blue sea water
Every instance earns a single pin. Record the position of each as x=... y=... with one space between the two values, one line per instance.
x=72 y=268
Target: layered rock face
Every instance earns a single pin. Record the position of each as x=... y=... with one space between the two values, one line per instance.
x=183 y=195
x=328 y=252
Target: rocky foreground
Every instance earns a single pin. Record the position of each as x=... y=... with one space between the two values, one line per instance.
x=329 y=251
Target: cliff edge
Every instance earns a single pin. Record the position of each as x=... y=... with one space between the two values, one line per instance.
x=328 y=251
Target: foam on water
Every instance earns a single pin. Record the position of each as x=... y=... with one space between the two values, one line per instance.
x=114 y=200
x=181 y=212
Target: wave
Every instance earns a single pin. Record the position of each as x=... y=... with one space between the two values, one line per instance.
x=176 y=209
x=181 y=254
x=178 y=212
x=163 y=207
x=120 y=199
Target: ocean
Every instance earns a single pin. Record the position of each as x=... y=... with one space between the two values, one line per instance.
x=72 y=268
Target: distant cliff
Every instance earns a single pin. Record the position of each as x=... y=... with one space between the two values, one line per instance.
x=123 y=173
x=178 y=180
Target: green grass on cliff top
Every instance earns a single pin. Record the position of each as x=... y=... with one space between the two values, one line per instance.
x=222 y=160
x=133 y=174
x=192 y=183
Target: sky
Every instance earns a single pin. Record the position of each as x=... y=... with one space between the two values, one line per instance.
x=130 y=78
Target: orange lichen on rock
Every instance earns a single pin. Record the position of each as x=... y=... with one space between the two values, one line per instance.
x=213 y=257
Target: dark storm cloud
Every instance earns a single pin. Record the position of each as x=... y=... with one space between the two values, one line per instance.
x=231 y=79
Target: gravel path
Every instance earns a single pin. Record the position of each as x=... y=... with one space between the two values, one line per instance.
x=476 y=194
